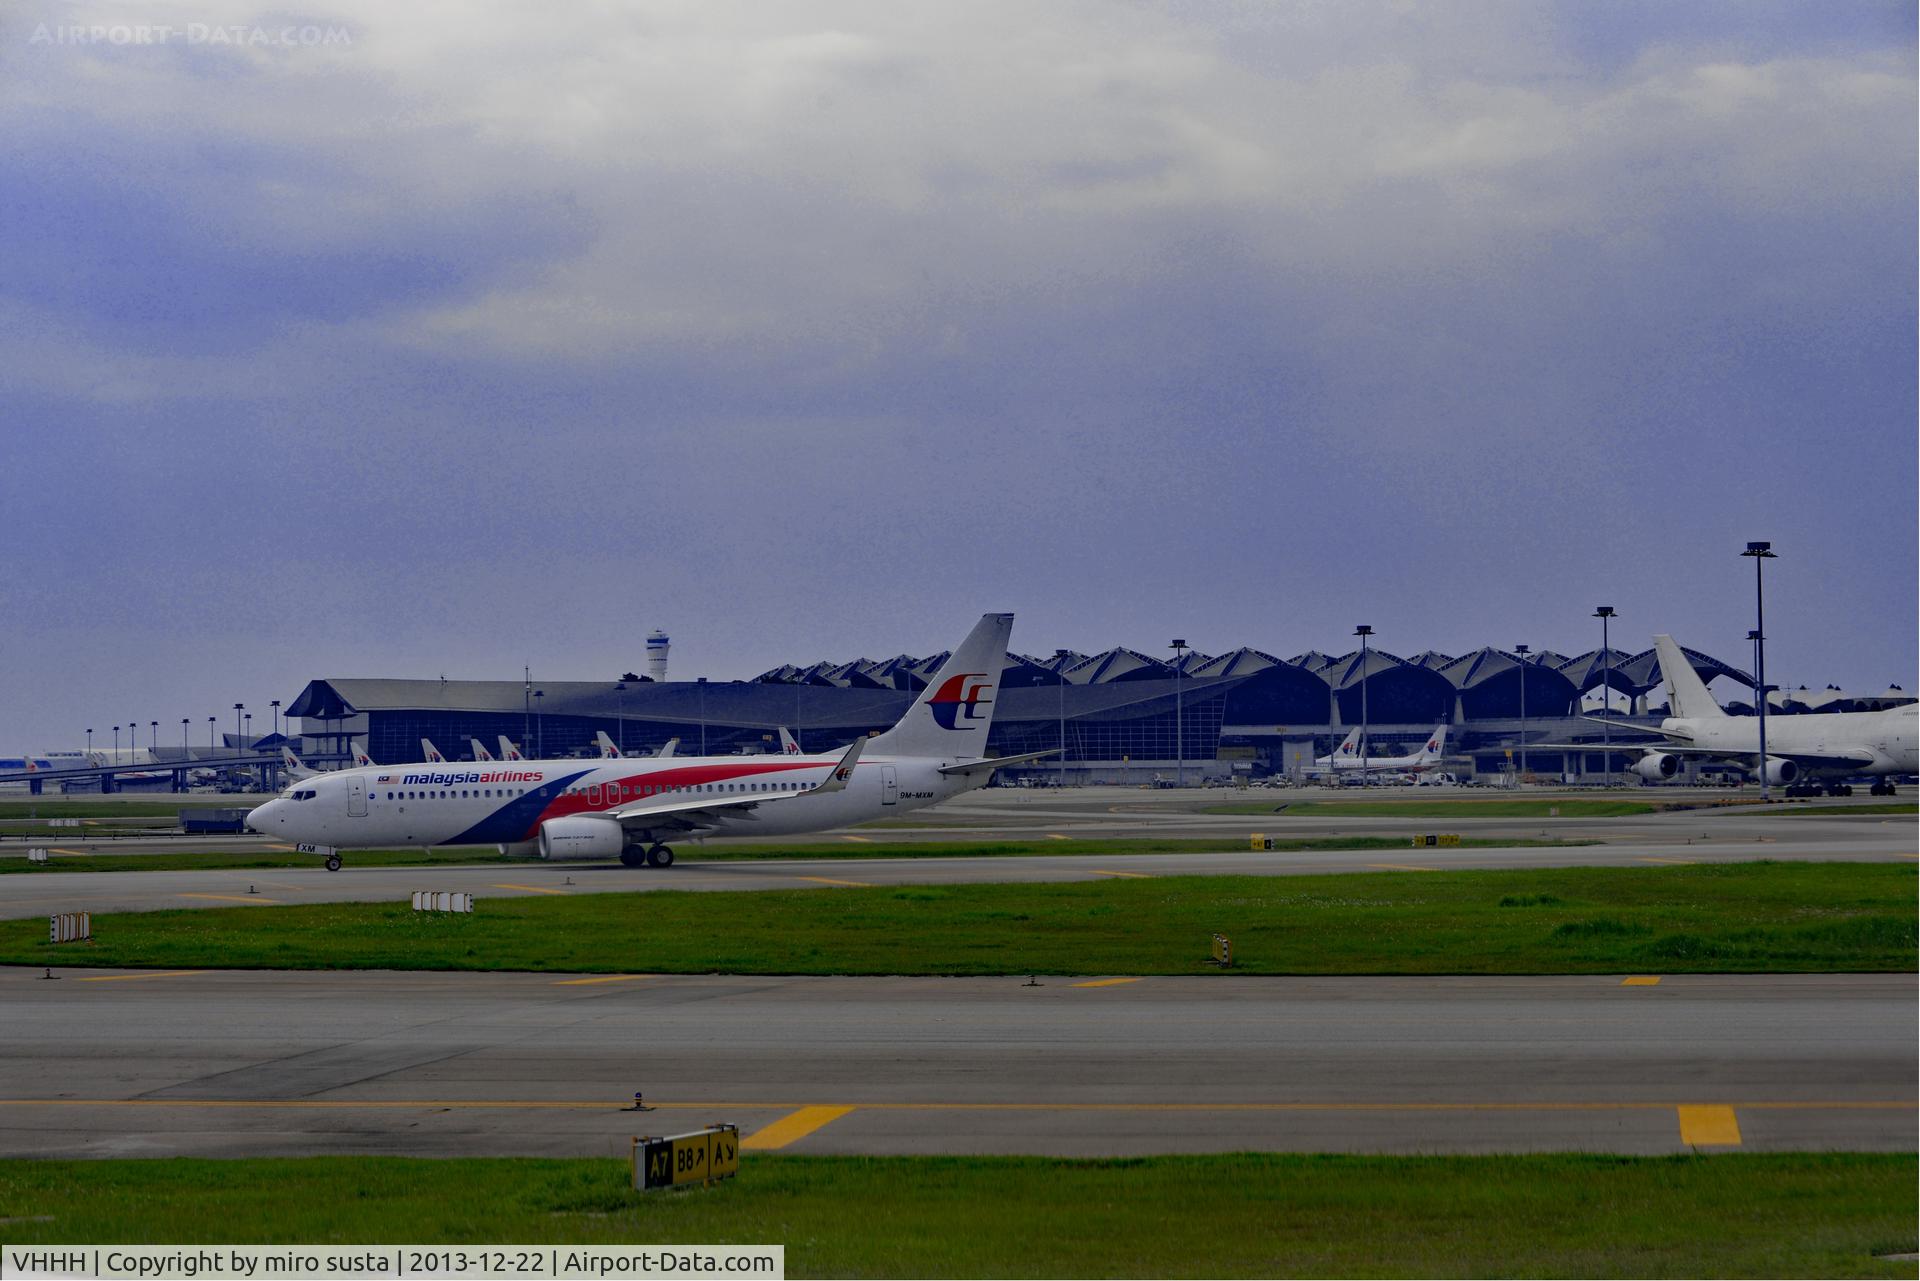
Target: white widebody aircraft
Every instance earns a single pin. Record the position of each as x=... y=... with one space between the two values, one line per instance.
x=1832 y=745
x=629 y=808
x=1349 y=759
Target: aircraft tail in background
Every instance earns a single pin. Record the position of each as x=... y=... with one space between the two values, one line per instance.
x=951 y=717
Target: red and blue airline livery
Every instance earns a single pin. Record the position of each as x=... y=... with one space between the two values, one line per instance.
x=630 y=807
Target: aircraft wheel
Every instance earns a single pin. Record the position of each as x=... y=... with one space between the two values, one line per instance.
x=333 y=862
x=633 y=858
x=660 y=856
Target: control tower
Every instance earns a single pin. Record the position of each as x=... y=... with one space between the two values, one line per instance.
x=657 y=655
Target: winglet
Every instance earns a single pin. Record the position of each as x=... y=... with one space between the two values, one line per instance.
x=837 y=780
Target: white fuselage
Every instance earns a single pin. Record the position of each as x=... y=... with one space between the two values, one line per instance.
x=1889 y=737
x=505 y=802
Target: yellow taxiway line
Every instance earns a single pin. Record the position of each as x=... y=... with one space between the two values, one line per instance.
x=1104 y=983
x=828 y=880
x=531 y=889
x=1640 y=980
x=1709 y=1126
x=1131 y=876
x=752 y=1105
x=791 y=1128
x=230 y=898
x=153 y=974
x=608 y=978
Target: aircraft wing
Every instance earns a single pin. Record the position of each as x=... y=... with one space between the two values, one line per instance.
x=675 y=809
x=990 y=763
x=1807 y=760
x=1637 y=729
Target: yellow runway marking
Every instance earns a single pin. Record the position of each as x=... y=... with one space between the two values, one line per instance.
x=610 y=978
x=284 y=849
x=58 y=850
x=531 y=889
x=1713 y=1126
x=1640 y=980
x=230 y=898
x=1104 y=983
x=1058 y=836
x=1132 y=876
x=1403 y=867
x=1676 y=862
x=157 y=974
x=789 y=1129
x=828 y=880
x=1816 y=1105
x=864 y=840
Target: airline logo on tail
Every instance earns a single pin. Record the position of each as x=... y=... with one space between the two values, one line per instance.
x=958 y=699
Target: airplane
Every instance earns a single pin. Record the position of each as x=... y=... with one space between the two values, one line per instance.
x=1350 y=760
x=1349 y=750
x=630 y=808
x=358 y=748
x=789 y=746
x=480 y=752
x=433 y=756
x=1831 y=745
x=667 y=748
x=608 y=751
x=295 y=769
x=508 y=752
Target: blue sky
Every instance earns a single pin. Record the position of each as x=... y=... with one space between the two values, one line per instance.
x=482 y=337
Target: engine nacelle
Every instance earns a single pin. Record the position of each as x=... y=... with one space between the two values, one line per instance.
x=581 y=837
x=1781 y=771
x=1655 y=766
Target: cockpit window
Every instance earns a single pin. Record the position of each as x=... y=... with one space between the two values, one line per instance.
x=305 y=794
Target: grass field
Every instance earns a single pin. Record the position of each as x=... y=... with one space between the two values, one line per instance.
x=1572 y=920
x=199 y=860
x=1454 y=807
x=57 y=807
x=1238 y=1215
x=1889 y=807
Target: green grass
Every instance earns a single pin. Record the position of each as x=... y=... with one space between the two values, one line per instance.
x=1573 y=920
x=199 y=860
x=171 y=807
x=1462 y=807
x=1779 y=1214
x=1889 y=807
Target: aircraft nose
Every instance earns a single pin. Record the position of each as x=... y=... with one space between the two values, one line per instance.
x=256 y=820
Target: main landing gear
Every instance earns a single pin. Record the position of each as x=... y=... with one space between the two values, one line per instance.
x=333 y=862
x=653 y=856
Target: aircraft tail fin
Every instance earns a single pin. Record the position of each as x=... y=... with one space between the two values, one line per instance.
x=1436 y=744
x=358 y=747
x=953 y=714
x=1687 y=694
x=789 y=746
x=1349 y=746
x=480 y=752
x=433 y=756
x=291 y=763
x=607 y=750
x=508 y=752
x=668 y=748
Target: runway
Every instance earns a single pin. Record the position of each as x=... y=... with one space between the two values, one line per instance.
x=262 y=1063
x=41 y=893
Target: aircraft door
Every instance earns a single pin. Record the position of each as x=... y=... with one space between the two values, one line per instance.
x=889 y=785
x=356 y=797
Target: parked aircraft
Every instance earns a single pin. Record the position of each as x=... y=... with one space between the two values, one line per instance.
x=432 y=756
x=480 y=752
x=607 y=750
x=630 y=808
x=1829 y=745
x=508 y=752
x=789 y=746
x=1349 y=750
x=1349 y=759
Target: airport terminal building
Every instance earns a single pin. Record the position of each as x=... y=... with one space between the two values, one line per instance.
x=1122 y=716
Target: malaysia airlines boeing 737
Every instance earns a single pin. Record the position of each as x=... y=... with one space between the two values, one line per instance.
x=630 y=807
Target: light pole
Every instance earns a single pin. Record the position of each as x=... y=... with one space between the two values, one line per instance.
x=1761 y=553
x=89 y=742
x=183 y=738
x=526 y=706
x=1605 y=613
x=1363 y=632
x=620 y=688
x=275 y=704
x=238 y=708
x=1060 y=657
x=156 y=734
x=539 y=727
x=116 y=744
x=701 y=683
x=211 y=749
x=1179 y=648
x=1522 y=651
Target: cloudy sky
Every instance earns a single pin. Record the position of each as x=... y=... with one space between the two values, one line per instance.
x=371 y=339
